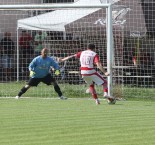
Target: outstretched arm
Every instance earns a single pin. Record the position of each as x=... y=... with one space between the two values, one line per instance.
x=66 y=58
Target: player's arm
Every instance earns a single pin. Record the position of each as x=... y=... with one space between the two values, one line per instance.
x=56 y=67
x=77 y=55
x=32 y=66
x=66 y=58
x=54 y=63
x=99 y=65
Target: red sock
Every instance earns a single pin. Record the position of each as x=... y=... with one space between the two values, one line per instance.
x=95 y=96
x=93 y=91
x=105 y=90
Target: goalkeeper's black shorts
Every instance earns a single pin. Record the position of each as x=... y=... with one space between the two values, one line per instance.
x=46 y=80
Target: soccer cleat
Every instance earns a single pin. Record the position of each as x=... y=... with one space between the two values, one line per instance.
x=97 y=101
x=63 y=98
x=17 y=97
x=107 y=97
x=105 y=94
x=111 y=100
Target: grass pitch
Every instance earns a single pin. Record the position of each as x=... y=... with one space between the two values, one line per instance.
x=34 y=121
x=75 y=91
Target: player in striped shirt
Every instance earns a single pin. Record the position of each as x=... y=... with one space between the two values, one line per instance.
x=88 y=60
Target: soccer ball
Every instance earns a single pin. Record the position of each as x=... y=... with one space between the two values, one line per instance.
x=88 y=91
x=111 y=101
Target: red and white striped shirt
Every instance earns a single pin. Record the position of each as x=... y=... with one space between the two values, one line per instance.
x=87 y=60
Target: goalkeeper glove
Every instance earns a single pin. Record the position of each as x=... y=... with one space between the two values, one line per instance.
x=32 y=73
x=57 y=72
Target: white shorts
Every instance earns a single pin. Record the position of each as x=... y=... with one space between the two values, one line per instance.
x=96 y=78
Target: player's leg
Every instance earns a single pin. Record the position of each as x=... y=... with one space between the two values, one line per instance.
x=51 y=80
x=32 y=82
x=99 y=80
x=22 y=91
x=92 y=90
x=94 y=94
x=105 y=88
x=58 y=91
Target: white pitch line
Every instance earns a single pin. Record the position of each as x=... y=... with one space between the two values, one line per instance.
x=47 y=98
x=118 y=99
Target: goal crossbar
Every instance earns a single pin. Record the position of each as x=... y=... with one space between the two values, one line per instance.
x=54 y=6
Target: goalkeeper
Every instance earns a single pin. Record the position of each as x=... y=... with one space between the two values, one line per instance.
x=40 y=72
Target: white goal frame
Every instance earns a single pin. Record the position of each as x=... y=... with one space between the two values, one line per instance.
x=109 y=32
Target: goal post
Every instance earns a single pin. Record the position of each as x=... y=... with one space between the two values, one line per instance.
x=109 y=48
x=109 y=35
x=122 y=33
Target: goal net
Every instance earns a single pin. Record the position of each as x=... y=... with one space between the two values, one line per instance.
x=65 y=31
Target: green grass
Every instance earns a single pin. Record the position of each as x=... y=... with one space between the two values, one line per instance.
x=76 y=122
x=75 y=91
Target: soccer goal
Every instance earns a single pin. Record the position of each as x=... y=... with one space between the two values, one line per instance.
x=66 y=29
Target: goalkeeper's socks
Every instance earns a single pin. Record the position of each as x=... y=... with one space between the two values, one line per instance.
x=22 y=91
x=57 y=89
